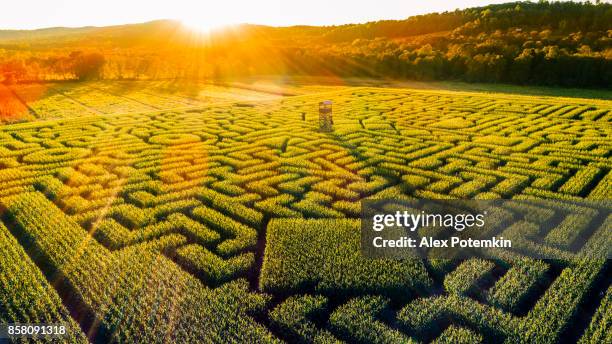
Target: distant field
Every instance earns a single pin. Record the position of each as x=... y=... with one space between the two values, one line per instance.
x=27 y=102
x=151 y=211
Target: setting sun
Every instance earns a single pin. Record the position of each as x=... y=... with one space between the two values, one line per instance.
x=205 y=26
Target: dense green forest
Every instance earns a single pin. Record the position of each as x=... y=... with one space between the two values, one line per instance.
x=544 y=43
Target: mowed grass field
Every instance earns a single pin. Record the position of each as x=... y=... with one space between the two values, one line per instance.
x=155 y=212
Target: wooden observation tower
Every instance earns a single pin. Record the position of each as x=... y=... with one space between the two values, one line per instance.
x=326 y=120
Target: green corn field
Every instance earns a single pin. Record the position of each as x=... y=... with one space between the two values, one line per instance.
x=135 y=213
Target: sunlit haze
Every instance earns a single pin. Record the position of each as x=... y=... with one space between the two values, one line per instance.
x=32 y=14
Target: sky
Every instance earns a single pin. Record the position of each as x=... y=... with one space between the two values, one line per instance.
x=32 y=14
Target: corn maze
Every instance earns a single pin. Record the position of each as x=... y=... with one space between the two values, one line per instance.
x=238 y=222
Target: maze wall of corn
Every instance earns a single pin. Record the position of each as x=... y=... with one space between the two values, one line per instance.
x=226 y=215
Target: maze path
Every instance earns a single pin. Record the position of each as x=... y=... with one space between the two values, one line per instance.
x=187 y=197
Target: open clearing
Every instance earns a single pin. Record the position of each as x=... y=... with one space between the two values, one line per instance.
x=142 y=211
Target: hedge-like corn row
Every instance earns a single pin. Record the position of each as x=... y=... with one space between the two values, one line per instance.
x=458 y=335
x=600 y=329
x=25 y=295
x=359 y=321
x=517 y=284
x=294 y=316
x=464 y=279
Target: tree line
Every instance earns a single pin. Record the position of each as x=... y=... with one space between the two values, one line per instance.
x=545 y=43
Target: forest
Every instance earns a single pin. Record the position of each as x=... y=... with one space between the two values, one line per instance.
x=545 y=43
